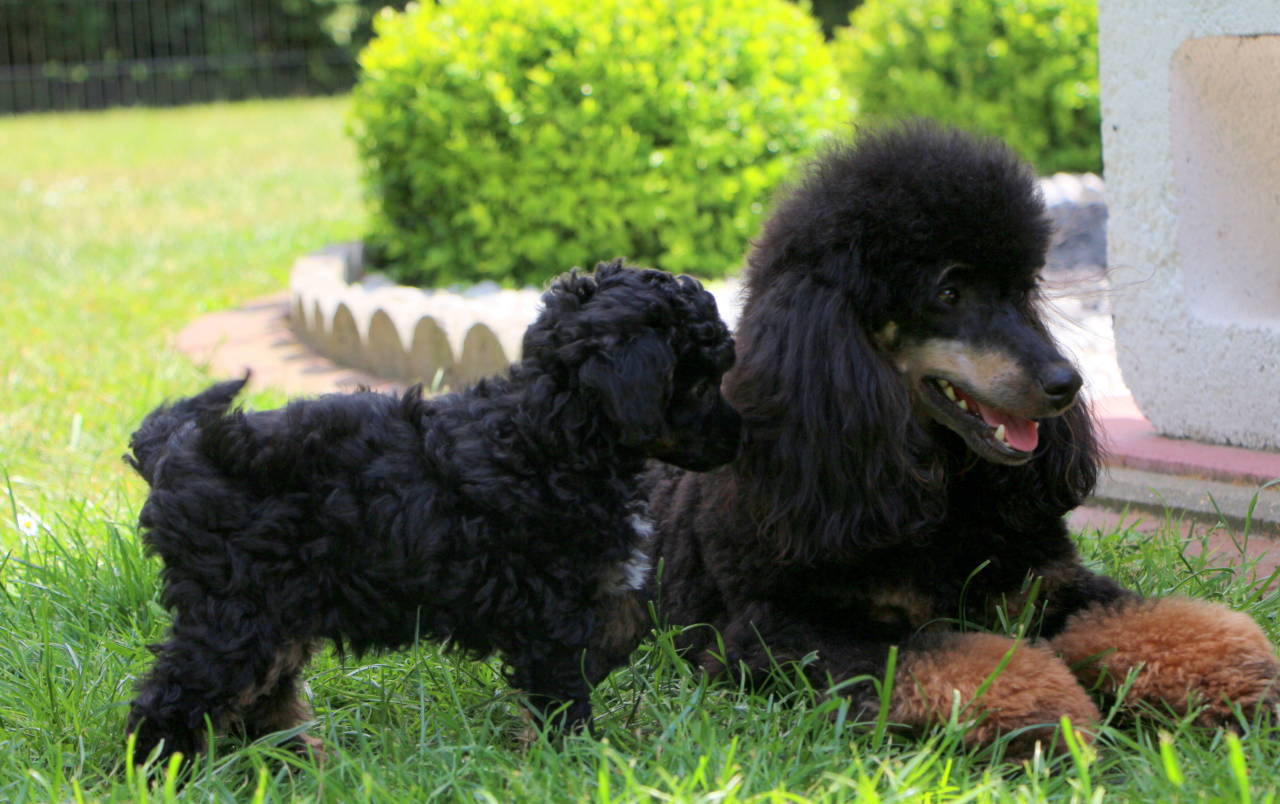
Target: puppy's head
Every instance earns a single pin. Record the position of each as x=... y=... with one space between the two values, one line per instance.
x=648 y=350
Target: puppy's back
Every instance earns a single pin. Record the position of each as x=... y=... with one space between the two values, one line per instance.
x=309 y=439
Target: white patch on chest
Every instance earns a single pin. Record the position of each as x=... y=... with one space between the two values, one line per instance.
x=630 y=575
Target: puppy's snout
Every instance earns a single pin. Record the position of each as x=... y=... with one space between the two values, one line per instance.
x=723 y=433
x=1060 y=382
x=731 y=425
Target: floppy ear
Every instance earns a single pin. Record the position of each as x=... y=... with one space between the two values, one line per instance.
x=633 y=383
x=1059 y=478
x=835 y=458
x=1068 y=460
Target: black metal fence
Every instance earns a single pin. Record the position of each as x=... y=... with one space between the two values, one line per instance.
x=91 y=54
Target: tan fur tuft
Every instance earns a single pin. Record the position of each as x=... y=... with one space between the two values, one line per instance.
x=1035 y=689
x=1189 y=651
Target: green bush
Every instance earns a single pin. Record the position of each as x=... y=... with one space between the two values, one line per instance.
x=513 y=140
x=1023 y=70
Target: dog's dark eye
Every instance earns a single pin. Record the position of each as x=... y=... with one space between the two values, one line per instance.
x=949 y=296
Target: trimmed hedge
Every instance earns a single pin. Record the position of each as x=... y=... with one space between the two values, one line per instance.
x=510 y=141
x=1023 y=70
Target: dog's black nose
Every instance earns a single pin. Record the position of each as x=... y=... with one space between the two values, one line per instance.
x=1060 y=382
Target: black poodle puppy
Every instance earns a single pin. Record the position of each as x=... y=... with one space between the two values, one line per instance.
x=912 y=440
x=503 y=518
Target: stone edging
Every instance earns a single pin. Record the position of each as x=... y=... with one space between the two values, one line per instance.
x=409 y=334
x=404 y=333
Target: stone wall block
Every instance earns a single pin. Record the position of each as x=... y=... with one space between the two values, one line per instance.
x=384 y=353
x=342 y=341
x=404 y=333
x=482 y=354
x=429 y=352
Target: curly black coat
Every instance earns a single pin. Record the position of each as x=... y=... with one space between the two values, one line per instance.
x=503 y=518
x=868 y=507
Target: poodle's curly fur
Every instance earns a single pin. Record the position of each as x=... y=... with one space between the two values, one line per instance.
x=503 y=518
x=911 y=442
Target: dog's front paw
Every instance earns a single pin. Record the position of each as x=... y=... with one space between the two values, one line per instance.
x=1184 y=653
x=1002 y=684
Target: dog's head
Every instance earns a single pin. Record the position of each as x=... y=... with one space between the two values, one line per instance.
x=961 y=232
x=891 y=332
x=937 y=237
x=647 y=350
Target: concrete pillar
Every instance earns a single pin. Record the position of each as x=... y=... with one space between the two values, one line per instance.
x=1191 y=147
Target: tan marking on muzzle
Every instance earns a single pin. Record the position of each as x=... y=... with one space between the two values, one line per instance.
x=993 y=375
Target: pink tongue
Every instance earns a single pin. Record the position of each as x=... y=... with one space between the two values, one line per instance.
x=1019 y=432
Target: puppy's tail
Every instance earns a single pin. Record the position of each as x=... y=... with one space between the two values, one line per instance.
x=147 y=443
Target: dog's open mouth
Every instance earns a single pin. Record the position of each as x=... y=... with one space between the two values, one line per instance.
x=995 y=434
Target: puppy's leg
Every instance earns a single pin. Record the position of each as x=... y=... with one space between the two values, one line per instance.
x=217 y=653
x=622 y=621
x=279 y=704
x=551 y=678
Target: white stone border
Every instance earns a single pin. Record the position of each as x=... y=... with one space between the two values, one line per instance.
x=404 y=333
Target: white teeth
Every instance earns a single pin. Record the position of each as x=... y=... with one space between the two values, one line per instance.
x=950 y=392
x=1036 y=425
x=963 y=405
x=1000 y=435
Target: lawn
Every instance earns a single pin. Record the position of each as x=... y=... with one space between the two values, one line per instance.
x=116 y=229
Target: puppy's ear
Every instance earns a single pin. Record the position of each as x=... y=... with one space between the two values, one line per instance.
x=633 y=382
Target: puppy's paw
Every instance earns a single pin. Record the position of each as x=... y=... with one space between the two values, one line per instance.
x=310 y=747
x=155 y=743
x=1029 y=694
x=1186 y=653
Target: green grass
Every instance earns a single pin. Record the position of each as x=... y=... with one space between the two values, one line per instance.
x=115 y=230
x=118 y=228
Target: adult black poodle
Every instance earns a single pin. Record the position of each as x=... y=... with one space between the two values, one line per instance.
x=912 y=442
x=503 y=518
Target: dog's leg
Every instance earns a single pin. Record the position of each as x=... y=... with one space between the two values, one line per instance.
x=1182 y=654
x=217 y=652
x=1004 y=686
x=764 y=640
